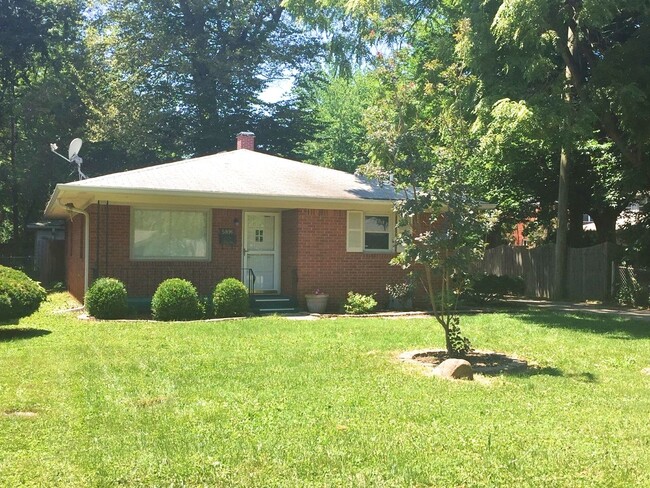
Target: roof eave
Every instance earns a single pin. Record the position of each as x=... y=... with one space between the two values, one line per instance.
x=82 y=196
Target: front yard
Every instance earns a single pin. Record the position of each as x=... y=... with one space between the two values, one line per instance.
x=277 y=402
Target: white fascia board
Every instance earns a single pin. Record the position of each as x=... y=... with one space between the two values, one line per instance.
x=81 y=197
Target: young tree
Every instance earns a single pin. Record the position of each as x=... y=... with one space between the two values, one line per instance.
x=421 y=140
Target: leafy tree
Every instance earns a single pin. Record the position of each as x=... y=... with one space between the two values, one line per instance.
x=182 y=78
x=580 y=43
x=38 y=102
x=336 y=108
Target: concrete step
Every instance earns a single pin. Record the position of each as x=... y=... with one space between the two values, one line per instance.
x=269 y=304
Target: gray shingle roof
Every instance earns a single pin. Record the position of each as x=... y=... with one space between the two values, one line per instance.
x=243 y=172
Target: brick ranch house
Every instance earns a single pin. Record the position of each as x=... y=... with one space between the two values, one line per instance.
x=295 y=227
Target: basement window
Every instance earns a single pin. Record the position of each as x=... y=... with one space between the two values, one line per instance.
x=158 y=234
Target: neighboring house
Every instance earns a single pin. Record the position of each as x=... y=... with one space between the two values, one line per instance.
x=630 y=216
x=295 y=227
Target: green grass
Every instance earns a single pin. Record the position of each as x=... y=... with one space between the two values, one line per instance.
x=274 y=402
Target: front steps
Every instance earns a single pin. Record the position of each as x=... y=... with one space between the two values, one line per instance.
x=270 y=304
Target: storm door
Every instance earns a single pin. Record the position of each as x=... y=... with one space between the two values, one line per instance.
x=262 y=251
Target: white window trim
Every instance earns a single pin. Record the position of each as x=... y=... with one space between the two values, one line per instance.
x=208 y=250
x=361 y=232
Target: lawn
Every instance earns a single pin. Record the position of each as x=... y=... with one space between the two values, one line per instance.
x=277 y=402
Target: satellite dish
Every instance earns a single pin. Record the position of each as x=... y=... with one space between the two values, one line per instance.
x=73 y=155
x=74 y=148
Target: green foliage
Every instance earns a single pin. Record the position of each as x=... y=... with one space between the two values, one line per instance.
x=401 y=293
x=335 y=107
x=489 y=287
x=460 y=345
x=635 y=238
x=630 y=291
x=19 y=295
x=357 y=303
x=216 y=58
x=39 y=103
x=106 y=299
x=420 y=136
x=230 y=299
x=176 y=299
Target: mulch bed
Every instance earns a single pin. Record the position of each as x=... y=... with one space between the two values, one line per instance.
x=485 y=362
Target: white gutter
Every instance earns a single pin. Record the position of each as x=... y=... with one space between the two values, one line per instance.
x=72 y=209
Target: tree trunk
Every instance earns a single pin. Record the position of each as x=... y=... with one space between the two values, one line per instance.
x=562 y=228
x=606 y=225
x=16 y=231
x=203 y=81
x=559 y=288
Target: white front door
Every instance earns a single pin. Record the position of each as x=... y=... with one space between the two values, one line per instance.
x=262 y=250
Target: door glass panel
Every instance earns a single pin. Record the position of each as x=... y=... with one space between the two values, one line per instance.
x=260 y=233
x=263 y=265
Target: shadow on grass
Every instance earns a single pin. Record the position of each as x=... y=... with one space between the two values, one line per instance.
x=533 y=370
x=614 y=327
x=7 y=335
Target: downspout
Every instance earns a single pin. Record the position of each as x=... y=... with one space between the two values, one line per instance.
x=72 y=209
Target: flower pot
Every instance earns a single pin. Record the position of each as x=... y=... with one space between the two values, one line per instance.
x=317 y=303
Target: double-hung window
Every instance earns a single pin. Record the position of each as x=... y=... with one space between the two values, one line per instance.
x=170 y=234
x=369 y=232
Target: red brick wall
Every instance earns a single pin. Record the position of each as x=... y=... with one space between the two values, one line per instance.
x=110 y=253
x=313 y=253
x=74 y=256
x=322 y=262
x=289 y=253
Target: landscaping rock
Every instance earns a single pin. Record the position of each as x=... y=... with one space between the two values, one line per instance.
x=646 y=371
x=455 y=369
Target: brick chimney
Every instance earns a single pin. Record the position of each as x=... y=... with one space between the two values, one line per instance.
x=246 y=140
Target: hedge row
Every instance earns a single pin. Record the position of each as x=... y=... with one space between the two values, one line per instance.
x=174 y=299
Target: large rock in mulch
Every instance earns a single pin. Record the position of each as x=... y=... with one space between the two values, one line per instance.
x=456 y=369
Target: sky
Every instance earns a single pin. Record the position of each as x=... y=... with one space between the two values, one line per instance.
x=277 y=90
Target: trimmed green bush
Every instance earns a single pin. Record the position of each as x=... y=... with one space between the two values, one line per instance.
x=230 y=299
x=20 y=296
x=106 y=299
x=358 y=303
x=176 y=299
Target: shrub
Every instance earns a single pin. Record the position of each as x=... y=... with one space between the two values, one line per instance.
x=106 y=299
x=230 y=299
x=631 y=291
x=19 y=295
x=358 y=303
x=401 y=293
x=488 y=287
x=176 y=299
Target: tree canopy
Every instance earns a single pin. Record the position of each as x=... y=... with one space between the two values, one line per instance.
x=148 y=81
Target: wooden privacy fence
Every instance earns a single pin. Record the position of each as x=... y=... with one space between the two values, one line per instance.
x=589 y=269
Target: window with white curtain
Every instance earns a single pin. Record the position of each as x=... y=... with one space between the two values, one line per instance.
x=170 y=234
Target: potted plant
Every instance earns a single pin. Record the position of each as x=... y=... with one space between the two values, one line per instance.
x=317 y=301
